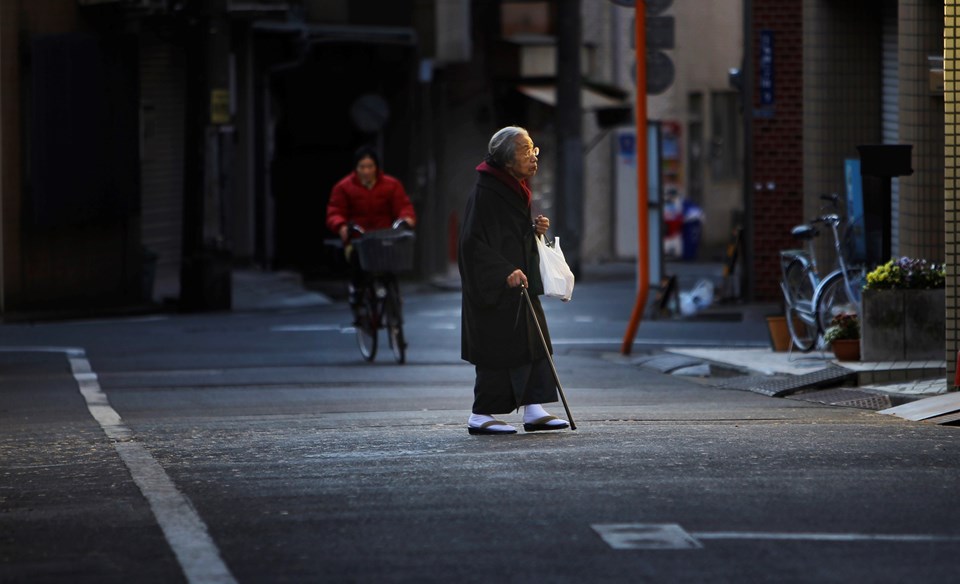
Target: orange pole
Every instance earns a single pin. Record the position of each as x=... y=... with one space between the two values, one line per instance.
x=643 y=228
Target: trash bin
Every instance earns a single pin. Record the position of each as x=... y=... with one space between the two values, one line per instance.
x=692 y=230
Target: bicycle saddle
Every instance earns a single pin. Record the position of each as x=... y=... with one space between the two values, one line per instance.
x=804 y=232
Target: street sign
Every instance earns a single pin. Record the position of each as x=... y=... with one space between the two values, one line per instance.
x=655 y=7
x=370 y=112
x=219 y=106
x=660 y=72
x=660 y=32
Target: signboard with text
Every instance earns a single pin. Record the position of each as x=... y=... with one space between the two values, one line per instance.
x=766 y=68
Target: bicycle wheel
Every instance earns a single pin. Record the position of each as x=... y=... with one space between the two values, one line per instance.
x=799 y=281
x=366 y=326
x=833 y=298
x=802 y=324
x=395 y=323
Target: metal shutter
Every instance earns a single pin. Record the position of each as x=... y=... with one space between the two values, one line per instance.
x=890 y=115
x=161 y=156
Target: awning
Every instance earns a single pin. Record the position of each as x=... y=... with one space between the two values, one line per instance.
x=590 y=99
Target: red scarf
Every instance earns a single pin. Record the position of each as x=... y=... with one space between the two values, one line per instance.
x=520 y=186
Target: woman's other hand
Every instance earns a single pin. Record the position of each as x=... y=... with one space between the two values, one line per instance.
x=541 y=224
x=517 y=278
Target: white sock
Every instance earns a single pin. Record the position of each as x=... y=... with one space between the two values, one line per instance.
x=477 y=420
x=534 y=412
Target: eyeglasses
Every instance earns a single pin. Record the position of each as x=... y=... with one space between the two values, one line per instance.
x=531 y=154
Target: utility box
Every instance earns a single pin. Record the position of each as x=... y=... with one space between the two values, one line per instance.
x=886 y=160
x=879 y=163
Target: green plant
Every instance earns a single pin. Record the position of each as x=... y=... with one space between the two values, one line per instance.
x=843 y=326
x=906 y=274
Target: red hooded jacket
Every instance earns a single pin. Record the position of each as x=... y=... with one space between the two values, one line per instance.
x=375 y=208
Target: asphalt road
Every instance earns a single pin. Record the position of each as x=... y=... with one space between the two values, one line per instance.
x=258 y=447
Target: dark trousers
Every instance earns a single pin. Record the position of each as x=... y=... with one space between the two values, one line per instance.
x=501 y=391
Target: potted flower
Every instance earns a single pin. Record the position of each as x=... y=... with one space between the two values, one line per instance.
x=843 y=336
x=906 y=274
x=904 y=311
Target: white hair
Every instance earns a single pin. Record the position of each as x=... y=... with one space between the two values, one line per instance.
x=503 y=145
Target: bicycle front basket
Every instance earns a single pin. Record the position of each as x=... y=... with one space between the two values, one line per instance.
x=386 y=250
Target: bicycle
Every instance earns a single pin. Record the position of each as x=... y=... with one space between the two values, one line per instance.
x=382 y=254
x=811 y=301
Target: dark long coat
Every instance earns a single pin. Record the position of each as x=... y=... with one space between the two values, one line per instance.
x=496 y=238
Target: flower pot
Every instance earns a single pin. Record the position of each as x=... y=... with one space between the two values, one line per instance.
x=779 y=333
x=846 y=349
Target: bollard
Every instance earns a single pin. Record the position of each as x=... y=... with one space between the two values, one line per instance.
x=956 y=372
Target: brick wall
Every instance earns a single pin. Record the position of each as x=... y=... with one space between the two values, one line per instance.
x=777 y=143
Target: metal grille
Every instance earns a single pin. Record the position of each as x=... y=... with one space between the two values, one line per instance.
x=779 y=386
x=851 y=398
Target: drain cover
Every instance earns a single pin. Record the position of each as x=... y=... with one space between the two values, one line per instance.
x=851 y=398
x=779 y=386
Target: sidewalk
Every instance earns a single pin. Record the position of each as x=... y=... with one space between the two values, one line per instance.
x=252 y=289
x=916 y=390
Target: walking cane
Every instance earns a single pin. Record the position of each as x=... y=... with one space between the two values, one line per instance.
x=546 y=349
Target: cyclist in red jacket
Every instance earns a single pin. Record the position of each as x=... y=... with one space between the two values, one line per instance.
x=369 y=199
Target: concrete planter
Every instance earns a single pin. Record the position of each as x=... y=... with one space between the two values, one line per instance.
x=903 y=325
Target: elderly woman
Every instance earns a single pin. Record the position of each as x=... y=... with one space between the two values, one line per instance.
x=497 y=256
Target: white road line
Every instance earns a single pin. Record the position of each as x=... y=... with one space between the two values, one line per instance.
x=300 y=328
x=185 y=532
x=658 y=342
x=646 y=536
x=671 y=536
x=901 y=537
x=32 y=349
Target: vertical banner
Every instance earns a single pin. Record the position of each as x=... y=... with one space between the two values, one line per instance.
x=766 y=68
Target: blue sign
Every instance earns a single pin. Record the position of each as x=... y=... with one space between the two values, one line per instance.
x=628 y=144
x=766 y=67
x=857 y=235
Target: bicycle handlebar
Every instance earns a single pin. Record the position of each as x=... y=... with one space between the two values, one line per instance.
x=832 y=218
x=401 y=224
x=832 y=197
x=398 y=224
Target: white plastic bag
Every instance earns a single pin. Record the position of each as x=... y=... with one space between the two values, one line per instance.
x=557 y=278
x=700 y=297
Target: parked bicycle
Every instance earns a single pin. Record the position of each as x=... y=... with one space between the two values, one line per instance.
x=813 y=301
x=383 y=254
